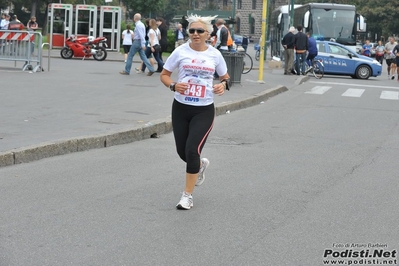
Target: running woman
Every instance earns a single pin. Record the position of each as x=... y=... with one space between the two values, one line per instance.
x=193 y=109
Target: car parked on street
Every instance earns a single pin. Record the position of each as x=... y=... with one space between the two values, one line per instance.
x=339 y=60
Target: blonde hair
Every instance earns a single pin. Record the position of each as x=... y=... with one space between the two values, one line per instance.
x=207 y=21
x=153 y=24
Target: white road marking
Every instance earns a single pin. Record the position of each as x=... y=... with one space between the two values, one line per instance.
x=389 y=95
x=355 y=85
x=353 y=92
x=318 y=90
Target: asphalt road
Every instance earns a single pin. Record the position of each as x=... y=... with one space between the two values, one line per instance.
x=300 y=174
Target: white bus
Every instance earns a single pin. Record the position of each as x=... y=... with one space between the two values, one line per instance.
x=331 y=22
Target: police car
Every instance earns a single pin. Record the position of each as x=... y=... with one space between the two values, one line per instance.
x=340 y=60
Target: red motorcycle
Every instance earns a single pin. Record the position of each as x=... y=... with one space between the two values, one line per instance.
x=85 y=47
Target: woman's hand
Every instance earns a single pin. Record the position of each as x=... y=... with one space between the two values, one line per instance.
x=181 y=87
x=219 y=88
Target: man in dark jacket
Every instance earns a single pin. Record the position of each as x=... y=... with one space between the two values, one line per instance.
x=288 y=43
x=301 y=46
x=15 y=24
x=312 y=49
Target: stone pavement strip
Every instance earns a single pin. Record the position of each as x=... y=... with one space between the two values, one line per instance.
x=70 y=80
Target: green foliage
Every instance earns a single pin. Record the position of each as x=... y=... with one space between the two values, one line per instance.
x=88 y=2
x=3 y=4
x=146 y=8
x=171 y=41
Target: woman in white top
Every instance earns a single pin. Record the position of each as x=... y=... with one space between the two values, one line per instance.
x=153 y=47
x=127 y=37
x=193 y=110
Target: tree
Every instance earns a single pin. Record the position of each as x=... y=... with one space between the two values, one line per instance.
x=3 y=4
x=145 y=8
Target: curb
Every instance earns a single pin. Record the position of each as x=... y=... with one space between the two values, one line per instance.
x=151 y=129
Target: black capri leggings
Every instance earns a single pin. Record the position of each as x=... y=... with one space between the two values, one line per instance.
x=126 y=48
x=191 y=127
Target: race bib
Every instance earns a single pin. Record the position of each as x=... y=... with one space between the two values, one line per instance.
x=196 y=87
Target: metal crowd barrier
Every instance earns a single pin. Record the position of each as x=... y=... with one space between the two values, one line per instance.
x=19 y=46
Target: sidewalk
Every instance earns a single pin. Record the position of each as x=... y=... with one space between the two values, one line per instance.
x=80 y=105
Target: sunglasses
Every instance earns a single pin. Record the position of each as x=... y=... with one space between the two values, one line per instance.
x=199 y=31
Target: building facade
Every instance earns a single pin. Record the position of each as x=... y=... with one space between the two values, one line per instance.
x=248 y=14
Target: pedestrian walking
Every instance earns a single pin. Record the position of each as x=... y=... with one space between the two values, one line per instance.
x=148 y=55
x=366 y=50
x=379 y=52
x=138 y=46
x=193 y=109
x=127 y=40
x=163 y=28
x=395 y=51
x=153 y=47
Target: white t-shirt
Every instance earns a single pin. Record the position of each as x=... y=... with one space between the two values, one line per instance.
x=127 y=37
x=389 y=47
x=4 y=24
x=197 y=69
x=155 y=33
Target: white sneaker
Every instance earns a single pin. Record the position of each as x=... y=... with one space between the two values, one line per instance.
x=139 y=72
x=201 y=175
x=186 y=202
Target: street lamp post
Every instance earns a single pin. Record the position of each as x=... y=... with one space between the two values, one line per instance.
x=233 y=17
x=291 y=12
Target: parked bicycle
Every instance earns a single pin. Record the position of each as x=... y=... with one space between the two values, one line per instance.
x=248 y=62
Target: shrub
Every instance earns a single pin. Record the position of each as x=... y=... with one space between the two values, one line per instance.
x=171 y=41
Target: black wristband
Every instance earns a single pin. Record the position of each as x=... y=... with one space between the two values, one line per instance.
x=228 y=83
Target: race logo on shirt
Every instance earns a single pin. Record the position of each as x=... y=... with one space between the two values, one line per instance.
x=198 y=61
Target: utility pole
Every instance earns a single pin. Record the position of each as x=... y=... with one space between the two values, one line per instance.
x=262 y=42
x=292 y=13
x=233 y=18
